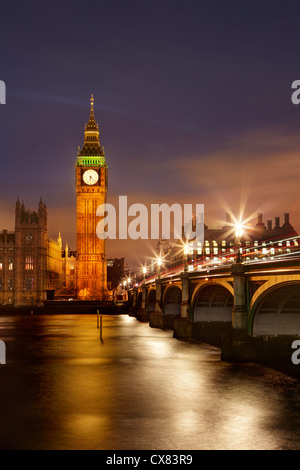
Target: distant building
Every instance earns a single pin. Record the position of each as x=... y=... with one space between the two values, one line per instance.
x=258 y=242
x=116 y=271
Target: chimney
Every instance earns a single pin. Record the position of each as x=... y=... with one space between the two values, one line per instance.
x=269 y=222
x=277 y=219
x=287 y=218
x=259 y=219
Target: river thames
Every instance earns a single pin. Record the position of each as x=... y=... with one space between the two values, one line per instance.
x=62 y=388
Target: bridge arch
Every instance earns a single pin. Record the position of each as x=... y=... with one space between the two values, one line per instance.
x=271 y=282
x=203 y=283
x=172 y=300
x=213 y=302
x=277 y=310
x=151 y=298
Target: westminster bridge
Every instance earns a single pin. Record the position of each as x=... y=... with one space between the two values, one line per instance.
x=250 y=310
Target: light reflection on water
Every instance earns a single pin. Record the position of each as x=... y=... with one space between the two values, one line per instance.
x=139 y=389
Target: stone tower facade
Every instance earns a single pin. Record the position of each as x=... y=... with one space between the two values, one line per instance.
x=91 y=190
x=23 y=258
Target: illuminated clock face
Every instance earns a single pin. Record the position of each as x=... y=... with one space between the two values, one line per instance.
x=90 y=177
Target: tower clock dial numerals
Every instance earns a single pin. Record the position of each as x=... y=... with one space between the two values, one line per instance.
x=90 y=177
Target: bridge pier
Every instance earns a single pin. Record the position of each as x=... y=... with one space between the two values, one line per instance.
x=236 y=344
x=239 y=312
x=133 y=308
x=157 y=317
x=185 y=299
x=183 y=326
x=142 y=314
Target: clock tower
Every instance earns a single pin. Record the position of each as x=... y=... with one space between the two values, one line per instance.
x=91 y=189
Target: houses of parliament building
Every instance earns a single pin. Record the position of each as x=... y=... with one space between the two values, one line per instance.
x=31 y=264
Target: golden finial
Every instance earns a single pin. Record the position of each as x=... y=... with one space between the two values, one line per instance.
x=92 y=101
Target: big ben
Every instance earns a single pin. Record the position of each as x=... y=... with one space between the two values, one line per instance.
x=91 y=190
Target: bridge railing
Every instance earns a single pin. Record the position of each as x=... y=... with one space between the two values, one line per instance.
x=268 y=250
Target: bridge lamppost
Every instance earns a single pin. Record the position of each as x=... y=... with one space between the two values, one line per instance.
x=238 y=234
x=144 y=272
x=159 y=263
x=186 y=252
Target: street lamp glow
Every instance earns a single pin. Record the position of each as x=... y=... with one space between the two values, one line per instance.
x=186 y=249
x=159 y=261
x=239 y=230
x=144 y=269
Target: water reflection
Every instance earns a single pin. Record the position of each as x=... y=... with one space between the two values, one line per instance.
x=140 y=389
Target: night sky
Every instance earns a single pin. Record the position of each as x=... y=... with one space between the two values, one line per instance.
x=193 y=99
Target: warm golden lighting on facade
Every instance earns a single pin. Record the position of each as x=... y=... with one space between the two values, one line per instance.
x=91 y=190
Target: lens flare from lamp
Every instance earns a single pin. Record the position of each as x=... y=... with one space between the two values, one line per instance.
x=239 y=230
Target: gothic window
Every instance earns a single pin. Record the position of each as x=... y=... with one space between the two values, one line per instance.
x=28 y=283
x=10 y=264
x=10 y=283
x=28 y=262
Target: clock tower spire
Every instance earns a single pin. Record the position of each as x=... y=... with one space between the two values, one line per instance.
x=91 y=190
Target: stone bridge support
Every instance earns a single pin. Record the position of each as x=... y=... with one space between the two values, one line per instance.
x=157 y=317
x=142 y=314
x=185 y=302
x=239 y=313
x=236 y=344
x=183 y=326
x=133 y=307
x=134 y=297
